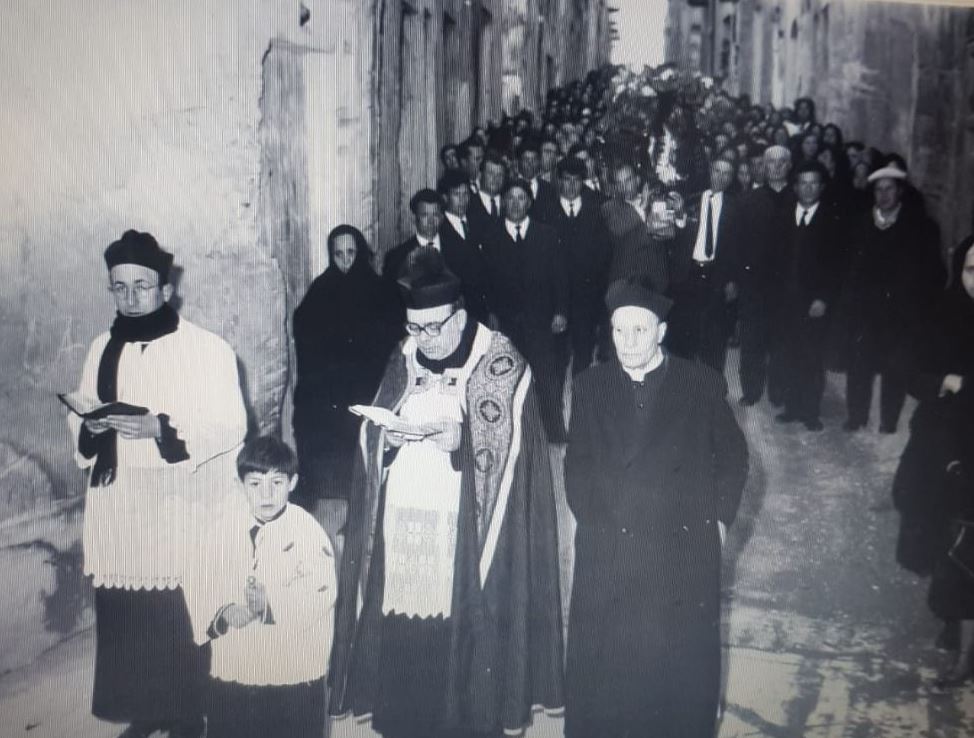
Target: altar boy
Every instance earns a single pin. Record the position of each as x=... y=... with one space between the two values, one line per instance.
x=264 y=597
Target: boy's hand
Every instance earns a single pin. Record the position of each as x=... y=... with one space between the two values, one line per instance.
x=237 y=616
x=256 y=599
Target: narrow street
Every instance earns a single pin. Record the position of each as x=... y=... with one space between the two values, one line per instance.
x=826 y=635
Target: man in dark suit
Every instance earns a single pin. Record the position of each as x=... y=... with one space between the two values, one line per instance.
x=471 y=155
x=461 y=251
x=654 y=473
x=530 y=296
x=427 y=216
x=705 y=276
x=542 y=193
x=805 y=279
x=485 y=209
x=761 y=213
x=586 y=250
x=634 y=251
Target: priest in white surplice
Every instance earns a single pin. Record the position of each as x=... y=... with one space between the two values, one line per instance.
x=151 y=465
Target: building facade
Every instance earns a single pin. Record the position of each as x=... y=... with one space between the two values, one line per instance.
x=899 y=76
x=239 y=134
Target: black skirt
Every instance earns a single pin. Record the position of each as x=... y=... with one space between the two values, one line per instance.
x=246 y=711
x=412 y=676
x=147 y=667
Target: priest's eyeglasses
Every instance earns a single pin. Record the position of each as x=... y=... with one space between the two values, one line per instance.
x=140 y=289
x=430 y=329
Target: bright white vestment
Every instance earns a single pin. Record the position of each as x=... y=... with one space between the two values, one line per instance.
x=141 y=531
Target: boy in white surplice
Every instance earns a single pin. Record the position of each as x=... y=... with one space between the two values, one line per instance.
x=263 y=598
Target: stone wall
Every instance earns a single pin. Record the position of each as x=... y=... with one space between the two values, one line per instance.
x=895 y=75
x=137 y=114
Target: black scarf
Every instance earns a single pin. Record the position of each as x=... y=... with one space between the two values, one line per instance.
x=125 y=329
x=459 y=356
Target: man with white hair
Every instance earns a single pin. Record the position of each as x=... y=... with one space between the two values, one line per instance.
x=763 y=209
x=654 y=473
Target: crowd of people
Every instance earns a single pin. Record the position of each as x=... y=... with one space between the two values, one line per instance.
x=625 y=236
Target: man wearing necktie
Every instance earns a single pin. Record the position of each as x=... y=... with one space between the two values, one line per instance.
x=485 y=206
x=530 y=295
x=586 y=250
x=427 y=215
x=705 y=276
x=461 y=250
x=806 y=277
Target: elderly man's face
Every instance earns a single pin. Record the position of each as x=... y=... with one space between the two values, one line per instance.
x=777 y=164
x=137 y=289
x=492 y=179
x=517 y=203
x=428 y=217
x=444 y=320
x=637 y=334
x=886 y=193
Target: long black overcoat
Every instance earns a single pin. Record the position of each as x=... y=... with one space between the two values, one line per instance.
x=644 y=637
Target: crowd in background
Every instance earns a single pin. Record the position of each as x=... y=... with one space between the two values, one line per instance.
x=768 y=228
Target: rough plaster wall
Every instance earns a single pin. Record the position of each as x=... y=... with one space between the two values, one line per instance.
x=119 y=114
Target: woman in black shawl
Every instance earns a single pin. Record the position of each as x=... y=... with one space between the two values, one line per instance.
x=344 y=329
x=933 y=484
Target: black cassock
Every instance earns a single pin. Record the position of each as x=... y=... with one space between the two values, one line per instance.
x=649 y=471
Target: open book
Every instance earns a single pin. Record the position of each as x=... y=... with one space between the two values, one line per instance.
x=93 y=409
x=390 y=421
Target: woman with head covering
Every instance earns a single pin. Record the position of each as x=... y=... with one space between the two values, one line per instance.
x=344 y=329
x=933 y=484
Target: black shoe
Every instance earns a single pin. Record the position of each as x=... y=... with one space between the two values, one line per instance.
x=956 y=676
x=852 y=426
x=814 y=425
x=786 y=417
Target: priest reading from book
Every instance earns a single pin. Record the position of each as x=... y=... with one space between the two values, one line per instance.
x=156 y=413
x=448 y=619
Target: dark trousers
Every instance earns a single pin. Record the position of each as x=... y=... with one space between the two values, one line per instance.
x=754 y=347
x=247 y=711
x=147 y=667
x=798 y=362
x=547 y=356
x=583 y=328
x=873 y=353
x=701 y=319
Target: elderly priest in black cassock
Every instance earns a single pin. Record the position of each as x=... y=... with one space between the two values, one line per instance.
x=655 y=468
x=448 y=620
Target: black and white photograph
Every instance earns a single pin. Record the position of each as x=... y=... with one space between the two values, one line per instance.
x=487 y=368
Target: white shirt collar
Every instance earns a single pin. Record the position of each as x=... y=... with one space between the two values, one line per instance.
x=799 y=209
x=457 y=224
x=485 y=199
x=575 y=204
x=512 y=227
x=434 y=242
